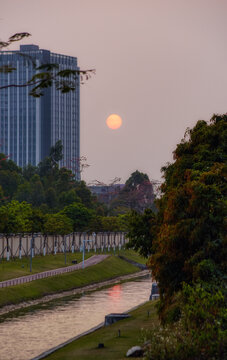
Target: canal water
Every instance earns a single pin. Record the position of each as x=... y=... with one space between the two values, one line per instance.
x=28 y=335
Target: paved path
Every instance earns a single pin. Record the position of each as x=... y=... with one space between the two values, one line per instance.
x=93 y=260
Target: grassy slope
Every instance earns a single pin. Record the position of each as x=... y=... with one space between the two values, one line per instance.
x=132 y=255
x=115 y=347
x=21 y=267
x=110 y=268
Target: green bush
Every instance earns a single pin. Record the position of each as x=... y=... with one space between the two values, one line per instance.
x=200 y=334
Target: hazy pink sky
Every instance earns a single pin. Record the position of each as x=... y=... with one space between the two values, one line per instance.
x=161 y=65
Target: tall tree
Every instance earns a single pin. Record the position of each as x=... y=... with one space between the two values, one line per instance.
x=141 y=231
x=10 y=176
x=83 y=192
x=190 y=242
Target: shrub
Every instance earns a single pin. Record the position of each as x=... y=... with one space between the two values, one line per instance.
x=200 y=334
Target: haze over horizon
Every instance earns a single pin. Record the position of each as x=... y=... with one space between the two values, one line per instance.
x=160 y=65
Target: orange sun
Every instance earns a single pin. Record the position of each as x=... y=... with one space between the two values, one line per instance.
x=114 y=121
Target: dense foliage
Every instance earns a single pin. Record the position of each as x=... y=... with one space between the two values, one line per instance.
x=57 y=203
x=188 y=233
x=48 y=199
x=46 y=186
x=187 y=239
x=200 y=334
x=141 y=232
x=191 y=239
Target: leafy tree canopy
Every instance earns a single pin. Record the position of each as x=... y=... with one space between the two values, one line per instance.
x=58 y=224
x=79 y=215
x=141 y=232
x=46 y=186
x=15 y=218
x=190 y=241
x=135 y=179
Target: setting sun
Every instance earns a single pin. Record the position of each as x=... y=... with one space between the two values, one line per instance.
x=114 y=121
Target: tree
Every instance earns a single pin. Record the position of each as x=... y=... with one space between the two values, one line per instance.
x=123 y=221
x=23 y=192
x=8 y=165
x=187 y=236
x=110 y=223
x=64 y=181
x=49 y=165
x=45 y=168
x=37 y=220
x=199 y=334
x=136 y=178
x=108 y=192
x=51 y=198
x=37 y=191
x=79 y=215
x=56 y=152
x=57 y=224
x=15 y=218
x=96 y=224
x=29 y=171
x=9 y=180
x=141 y=231
x=68 y=197
x=10 y=176
x=31 y=192
x=2 y=198
x=137 y=194
x=84 y=194
x=28 y=184
x=190 y=241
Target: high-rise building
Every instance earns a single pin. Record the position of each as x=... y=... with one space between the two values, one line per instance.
x=30 y=126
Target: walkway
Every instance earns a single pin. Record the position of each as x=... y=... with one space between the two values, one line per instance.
x=93 y=260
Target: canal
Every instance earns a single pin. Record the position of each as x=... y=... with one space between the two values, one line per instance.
x=28 y=335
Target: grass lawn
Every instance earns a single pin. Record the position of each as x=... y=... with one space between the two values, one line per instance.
x=132 y=255
x=20 y=267
x=115 y=347
x=110 y=268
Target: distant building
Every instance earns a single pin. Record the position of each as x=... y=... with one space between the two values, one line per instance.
x=139 y=198
x=30 y=126
x=106 y=193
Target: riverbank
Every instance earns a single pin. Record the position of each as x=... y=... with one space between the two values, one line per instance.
x=115 y=346
x=14 y=310
x=16 y=267
x=93 y=260
x=111 y=268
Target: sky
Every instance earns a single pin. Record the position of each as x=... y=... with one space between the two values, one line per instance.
x=160 y=64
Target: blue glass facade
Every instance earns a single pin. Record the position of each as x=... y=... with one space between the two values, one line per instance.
x=30 y=126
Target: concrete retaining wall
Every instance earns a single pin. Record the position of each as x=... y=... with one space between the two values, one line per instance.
x=20 y=245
